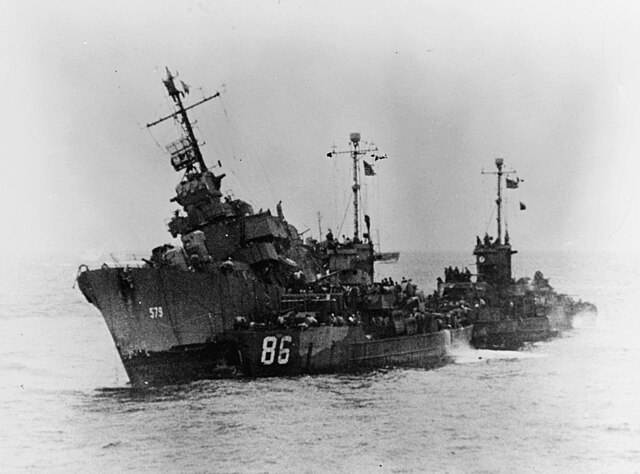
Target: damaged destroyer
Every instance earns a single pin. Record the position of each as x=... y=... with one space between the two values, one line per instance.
x=243 y=295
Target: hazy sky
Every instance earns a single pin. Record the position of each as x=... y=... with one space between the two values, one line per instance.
x=441 y=87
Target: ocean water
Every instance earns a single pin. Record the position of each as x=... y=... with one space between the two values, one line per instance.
x=568 y=405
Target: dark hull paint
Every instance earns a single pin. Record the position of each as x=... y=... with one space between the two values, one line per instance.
x=511 y=334
x=182 y=365
x=293 y=352
x=150 y=310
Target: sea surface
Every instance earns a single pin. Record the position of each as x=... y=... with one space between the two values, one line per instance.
x=568 y=405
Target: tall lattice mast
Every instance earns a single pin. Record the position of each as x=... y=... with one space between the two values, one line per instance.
x=355 y=152
x=499 y=174
x=185 y=152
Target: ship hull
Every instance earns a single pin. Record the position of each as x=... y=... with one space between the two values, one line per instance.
x=151 y=311
x=292 y=352
x=181 y=365
x=173 y=327
x=341 y=350
x=511 y=334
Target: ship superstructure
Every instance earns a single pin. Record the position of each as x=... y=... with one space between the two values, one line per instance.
x=243 y=295
x=351 y=261
x=506 y=313
x=233 y=263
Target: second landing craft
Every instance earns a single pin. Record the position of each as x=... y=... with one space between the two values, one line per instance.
x=506 y=313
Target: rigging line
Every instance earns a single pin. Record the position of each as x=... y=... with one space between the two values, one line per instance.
x=377 y=204
x=339 y=185
x=493 y=210
x=363 y=203
x=334 y=195
x=171 y=106
x=506 y=213
x=224 y=109
x=215 y=151
x=633 y=122
x=624 y=165
x=225 y=151
x=228 y=156
x=217 y=138
x=271 y=188
x=164 y=151
x=626 y=214
x=490 y=203
x=364 y=196
x=348 y=196
x=231 y=161
x=164 y=138
x=344 y=217
x=253 y=153
x=252 y=198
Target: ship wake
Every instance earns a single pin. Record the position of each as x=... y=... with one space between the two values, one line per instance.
x=585 y=319
x=467 y=354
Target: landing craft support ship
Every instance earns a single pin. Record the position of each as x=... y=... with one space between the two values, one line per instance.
x=506 y=313
x=244 y=296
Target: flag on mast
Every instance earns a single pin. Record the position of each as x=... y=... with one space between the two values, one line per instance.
x=368 y=169
x=512 y=183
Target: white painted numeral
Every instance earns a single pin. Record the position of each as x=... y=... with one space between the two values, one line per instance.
x=269 y=345
x=155 y=312
x=268 y=350
x=283 y=353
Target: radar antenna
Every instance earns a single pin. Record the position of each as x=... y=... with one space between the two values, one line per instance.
x=185 y=152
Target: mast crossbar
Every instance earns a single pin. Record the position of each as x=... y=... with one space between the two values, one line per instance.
x=499 y=174
x=355 y=153
x=149 y=125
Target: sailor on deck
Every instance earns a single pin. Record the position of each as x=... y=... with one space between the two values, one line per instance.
x=279 y=210
x=467 y=274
